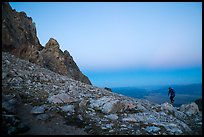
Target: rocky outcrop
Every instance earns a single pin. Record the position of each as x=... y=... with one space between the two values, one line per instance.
x=109 y=89
x=199 y=103
x=96 y=110
x=189 y=109
x=61 y=62
x=19 y=37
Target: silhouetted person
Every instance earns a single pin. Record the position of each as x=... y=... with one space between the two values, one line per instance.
x=172 y=95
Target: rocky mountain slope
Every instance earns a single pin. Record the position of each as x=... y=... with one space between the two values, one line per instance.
x=19 y=37
x=36 y=100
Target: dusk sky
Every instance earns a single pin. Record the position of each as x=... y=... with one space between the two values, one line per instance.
x=125 y=44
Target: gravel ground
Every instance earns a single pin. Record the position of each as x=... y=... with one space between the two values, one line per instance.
x=54 y=126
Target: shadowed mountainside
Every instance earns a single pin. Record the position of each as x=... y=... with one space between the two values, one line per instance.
x=44 y=92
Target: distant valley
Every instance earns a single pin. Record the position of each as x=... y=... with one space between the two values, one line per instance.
x=159 y=94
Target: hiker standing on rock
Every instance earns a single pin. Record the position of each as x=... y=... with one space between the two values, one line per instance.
x=172 y=94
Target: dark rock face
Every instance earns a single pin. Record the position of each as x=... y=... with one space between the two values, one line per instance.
x=18 y=33
x=199 y=103
x=109 y=89
x=54 y=59
x=19 y=37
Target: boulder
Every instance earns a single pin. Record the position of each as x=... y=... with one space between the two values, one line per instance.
x=42 y=117
x=107 y=105
x=112 y=117
x=167 y=108
x=61 y=98
x=83 y=103
x=180 y=115
x=111 y=107
x=38 y=110
x=151 y=129
x=140 y=107
x=99 y=102
x=138 y=117
x=107 y=126
x=68 y=108
x=189 y=109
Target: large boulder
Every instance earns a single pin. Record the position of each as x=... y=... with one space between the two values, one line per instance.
x=167 y=108
x=189 y=109
x=107 y=105
x=68 y=108
x=111 y=107
x=61 y=98
x=180 y=115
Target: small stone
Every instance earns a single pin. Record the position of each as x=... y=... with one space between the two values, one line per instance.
x=109 y=125
x=28 y=81
x=30 y=68
x=55 y=86
x=123 y=125
x=111 y=131
x=152 y=129
x=42 y=117
x=103 y=127
x=112 y=116
x=80 y=117
x=7 y=61
x=38 y=110
x=83 y=103
x=68 y=108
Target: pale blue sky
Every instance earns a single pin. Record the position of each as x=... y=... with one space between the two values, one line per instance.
x=125 y=44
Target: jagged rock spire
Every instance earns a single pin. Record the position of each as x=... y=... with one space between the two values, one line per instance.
x=52 y=43
x=19 y=37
